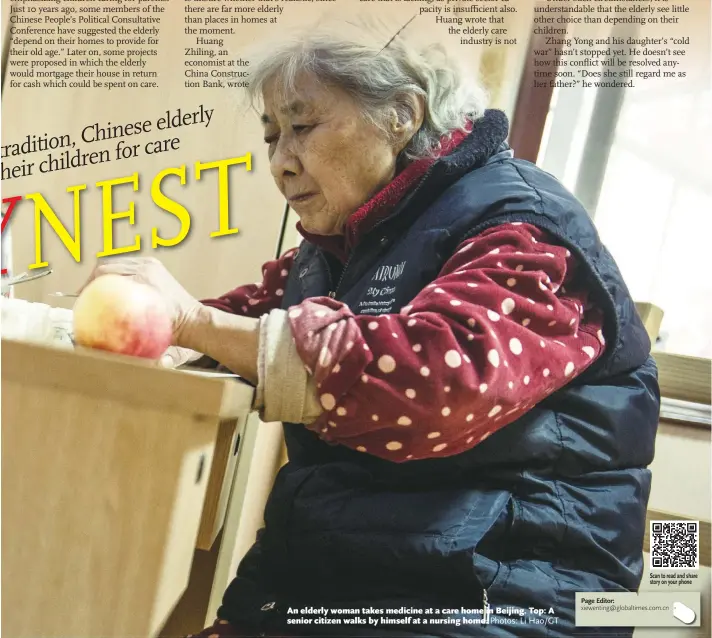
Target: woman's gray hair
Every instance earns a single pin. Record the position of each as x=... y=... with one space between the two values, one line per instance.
x=355 y=58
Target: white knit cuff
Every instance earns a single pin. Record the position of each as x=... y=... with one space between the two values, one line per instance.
x=285 y=391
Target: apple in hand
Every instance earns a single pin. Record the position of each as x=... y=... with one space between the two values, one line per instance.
x=118 y=314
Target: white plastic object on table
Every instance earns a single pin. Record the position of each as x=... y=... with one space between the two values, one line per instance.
x=6 y=259
x=36 y=322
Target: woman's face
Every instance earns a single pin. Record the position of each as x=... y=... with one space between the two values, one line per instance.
x=326 y=160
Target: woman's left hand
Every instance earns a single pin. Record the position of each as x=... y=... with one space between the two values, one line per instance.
x=181 y=305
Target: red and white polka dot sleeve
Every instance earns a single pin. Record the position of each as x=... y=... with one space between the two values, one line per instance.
x=254 y=300
x=505 y=324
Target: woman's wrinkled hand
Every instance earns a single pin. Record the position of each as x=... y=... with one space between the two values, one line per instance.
x=181 y=305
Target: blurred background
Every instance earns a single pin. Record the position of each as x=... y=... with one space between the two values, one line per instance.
x=646 y=181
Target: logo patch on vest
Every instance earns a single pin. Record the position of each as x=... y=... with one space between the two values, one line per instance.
x=380 y=294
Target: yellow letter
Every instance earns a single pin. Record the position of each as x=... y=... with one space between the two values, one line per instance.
x=72 y=244
x=170 y=206
x=223 y=186
x=108 y=215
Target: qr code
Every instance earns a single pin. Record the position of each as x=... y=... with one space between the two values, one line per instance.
x=674 y=544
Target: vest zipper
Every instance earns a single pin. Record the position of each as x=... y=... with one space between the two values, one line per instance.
x=333 y=293
x=486 y=609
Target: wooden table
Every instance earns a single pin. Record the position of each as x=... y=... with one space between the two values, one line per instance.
x=113 y=471
x=131 y=493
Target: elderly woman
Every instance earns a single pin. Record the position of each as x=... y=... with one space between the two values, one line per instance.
x=468 y=397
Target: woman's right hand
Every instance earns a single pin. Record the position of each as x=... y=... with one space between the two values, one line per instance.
x=180 y=304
